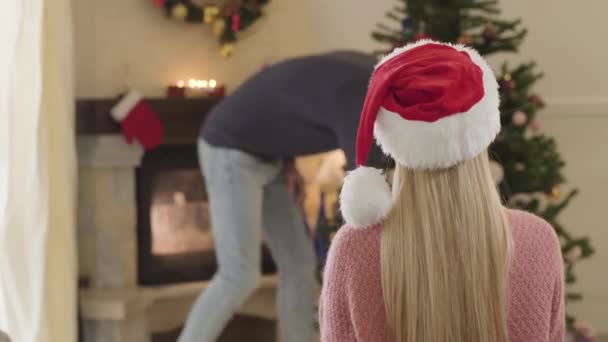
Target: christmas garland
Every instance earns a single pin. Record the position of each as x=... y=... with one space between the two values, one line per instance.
x=226 y=17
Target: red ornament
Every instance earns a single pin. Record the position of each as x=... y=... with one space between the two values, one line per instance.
x=160 y=3
x=535 y=126
x=537 y=100
x=507 y=84
x=490 y=33
x=236 y=22
x=421 y=36
x=465 y=39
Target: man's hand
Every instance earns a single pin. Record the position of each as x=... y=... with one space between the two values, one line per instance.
x=295 y=182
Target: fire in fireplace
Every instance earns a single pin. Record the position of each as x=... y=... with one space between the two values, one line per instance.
x=174 y=230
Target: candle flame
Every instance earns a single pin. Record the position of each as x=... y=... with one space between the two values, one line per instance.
x=212 y=83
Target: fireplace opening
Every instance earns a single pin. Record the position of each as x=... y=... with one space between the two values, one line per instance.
x=175 y=241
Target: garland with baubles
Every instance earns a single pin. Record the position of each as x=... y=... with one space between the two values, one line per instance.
x=226 y=17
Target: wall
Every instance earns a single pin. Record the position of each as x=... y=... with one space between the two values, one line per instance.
x=121 y=42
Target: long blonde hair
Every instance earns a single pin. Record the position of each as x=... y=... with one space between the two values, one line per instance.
x=445 y=251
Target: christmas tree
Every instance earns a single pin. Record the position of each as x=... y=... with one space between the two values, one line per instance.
x=526 y=163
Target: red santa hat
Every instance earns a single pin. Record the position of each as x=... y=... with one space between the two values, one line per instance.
x=429 y=105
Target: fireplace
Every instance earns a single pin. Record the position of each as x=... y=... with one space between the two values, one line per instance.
x=175 y=242
x=174 y=239
x=145 y=248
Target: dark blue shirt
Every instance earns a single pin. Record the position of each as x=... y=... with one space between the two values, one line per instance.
x=301 y=106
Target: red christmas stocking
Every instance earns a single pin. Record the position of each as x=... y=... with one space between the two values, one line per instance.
x=138 y=120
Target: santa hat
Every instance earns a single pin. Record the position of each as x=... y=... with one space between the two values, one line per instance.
x=429 y=105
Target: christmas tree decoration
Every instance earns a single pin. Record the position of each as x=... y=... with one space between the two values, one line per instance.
x=179 y=12
x=490 y=33
x=573 y=254
x=238 y=15
x=210 y=13
x=227 y=50
x=584 y=329
x=407 y=24
x=507 y=83
x=465 y=39
x=519 y=118
x=219 y=25
x=236 y=22
x=421 y=36
x=535 y=126
x=531 y=163
x=556 y=193
x=138 y=120
x=537 y=100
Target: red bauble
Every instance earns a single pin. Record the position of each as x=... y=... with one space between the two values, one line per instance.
x=160 y=3
x=537 y=100
x=421 y=36
x=507 y=84
x=490 y=33
x=535 y=126
x=236 y=22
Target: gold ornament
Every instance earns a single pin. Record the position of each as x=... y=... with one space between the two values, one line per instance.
x=465 y=39
x=219 y=25
x=179 y=12
x=507 y=77
x=556 y=193
x=227 y=50
x=210 y=13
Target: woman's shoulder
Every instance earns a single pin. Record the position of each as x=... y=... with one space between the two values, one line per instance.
x=529 y=225
x=357 y=239
x=353 y=247
x=534 y=237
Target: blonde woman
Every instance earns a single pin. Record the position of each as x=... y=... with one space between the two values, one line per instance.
x=436 y=257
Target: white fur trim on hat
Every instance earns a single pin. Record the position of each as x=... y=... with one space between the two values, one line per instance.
x=121 y=110
x=365 y=198
x=449 y=140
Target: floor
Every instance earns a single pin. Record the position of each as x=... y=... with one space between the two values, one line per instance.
x=241 y=328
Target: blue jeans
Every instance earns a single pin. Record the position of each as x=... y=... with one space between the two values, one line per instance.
x=246 y=195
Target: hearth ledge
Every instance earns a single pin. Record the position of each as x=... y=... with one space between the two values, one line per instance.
x=153 y=303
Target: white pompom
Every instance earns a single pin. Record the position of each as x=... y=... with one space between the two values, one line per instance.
x=497 y=171
x=365 y=199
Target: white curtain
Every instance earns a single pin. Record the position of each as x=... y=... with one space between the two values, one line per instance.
x=38 y=282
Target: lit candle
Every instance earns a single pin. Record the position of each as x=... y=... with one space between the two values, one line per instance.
x=212 y=84
x=192 y=83
x=181 y=84
x=202 y=84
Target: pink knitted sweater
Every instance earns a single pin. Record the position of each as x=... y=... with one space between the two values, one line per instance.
x=352 y=308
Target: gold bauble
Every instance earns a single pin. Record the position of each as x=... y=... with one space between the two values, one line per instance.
x=556 y=193
x=210 y=13
x=465 y=39
x=179 y=12
x=227 y=50
x=219 y=25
